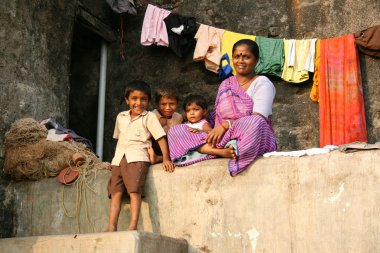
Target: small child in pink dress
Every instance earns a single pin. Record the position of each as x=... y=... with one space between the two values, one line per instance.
x=195 y=108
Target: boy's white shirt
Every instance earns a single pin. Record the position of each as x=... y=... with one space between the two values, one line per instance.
x=134 y=136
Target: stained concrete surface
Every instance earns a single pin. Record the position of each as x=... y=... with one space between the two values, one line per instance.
x=321 y=203
x=125 y=242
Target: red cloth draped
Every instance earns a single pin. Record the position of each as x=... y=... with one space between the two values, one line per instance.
x=341 y=104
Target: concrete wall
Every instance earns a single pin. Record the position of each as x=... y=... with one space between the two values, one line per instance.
x=321 y=203
x=35 y=50
x=125 y=242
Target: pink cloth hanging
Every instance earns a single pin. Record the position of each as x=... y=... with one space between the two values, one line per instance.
x=154 y=29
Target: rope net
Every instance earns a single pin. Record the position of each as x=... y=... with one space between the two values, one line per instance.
x=29 y=156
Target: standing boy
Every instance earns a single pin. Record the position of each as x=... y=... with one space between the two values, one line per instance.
x=134 y=129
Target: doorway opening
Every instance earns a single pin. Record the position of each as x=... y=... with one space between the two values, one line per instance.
x=84 y=82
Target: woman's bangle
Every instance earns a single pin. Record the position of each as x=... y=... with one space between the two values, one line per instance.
x=229 y=123
x=225 y=128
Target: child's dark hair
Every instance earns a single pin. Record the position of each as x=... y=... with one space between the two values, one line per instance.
x=197 y=99
x=137 y=86
x=168 y=92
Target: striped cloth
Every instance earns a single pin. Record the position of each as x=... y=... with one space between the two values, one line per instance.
x=253 y=133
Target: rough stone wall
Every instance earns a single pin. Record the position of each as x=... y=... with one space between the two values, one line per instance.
x=34 y=72
x=295 y=116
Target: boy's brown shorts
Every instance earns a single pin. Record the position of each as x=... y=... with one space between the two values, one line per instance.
x=130 y=176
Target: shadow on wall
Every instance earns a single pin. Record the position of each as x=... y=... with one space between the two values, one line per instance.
x=7 y=212
x=152 y=202
x=84 y=80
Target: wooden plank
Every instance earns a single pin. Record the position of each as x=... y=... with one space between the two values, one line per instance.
x=94 y=24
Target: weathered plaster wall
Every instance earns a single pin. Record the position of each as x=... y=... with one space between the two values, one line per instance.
x=321 y=203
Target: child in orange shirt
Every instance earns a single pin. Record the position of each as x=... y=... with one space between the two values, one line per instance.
x=166 y=105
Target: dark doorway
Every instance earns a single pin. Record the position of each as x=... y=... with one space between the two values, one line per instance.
x=84 y=82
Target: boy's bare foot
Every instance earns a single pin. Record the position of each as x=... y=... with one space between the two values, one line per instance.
x=111 y=229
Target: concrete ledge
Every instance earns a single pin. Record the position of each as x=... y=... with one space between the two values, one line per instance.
x=321 y=203
x=125 y=242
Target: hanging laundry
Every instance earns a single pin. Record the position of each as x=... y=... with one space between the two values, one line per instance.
x=183 y=42
x=341 y=103
x=154 y=29
x=208 y=47
x=225 y=71
x=368 y=41
x=228 y=41
x=297 y=54
x=309 y=64
x=314 y=94
x=122 y=6
x=271 y=56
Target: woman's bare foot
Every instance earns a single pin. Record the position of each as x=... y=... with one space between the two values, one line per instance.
x=233 y=152
x=228 y=152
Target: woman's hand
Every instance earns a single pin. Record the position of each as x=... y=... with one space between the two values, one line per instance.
x=215 y=135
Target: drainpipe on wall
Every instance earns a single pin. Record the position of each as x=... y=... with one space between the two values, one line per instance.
x=101 y=100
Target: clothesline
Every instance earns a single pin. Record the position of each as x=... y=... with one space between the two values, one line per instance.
x=334 y=61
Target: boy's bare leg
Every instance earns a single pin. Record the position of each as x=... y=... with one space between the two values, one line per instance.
x=114 y=211
x=152 y=155
x=159 y=159
x=153 y=158
x=135 y=210
x=223 y=152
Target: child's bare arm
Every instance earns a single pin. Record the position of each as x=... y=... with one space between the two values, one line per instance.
x=205 y=128
x=167 y=164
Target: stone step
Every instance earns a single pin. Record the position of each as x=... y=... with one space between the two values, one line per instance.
x=121 y=242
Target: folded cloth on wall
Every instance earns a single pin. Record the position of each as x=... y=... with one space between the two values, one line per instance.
x=368 y=41
x=357 y=146
x=229 y=39
x=299 y=153
x=341 y=102
x=154 y=29
x=271 y=56
x=51 y=124
x=181 y=43
x=208 y=47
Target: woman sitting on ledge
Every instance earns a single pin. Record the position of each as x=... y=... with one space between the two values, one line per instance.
x=242 y=112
